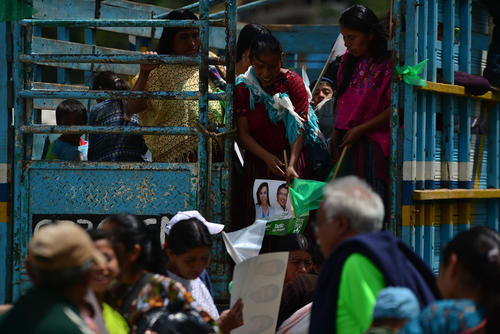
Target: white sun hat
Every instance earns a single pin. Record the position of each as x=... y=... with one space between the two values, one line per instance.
x=213 y=228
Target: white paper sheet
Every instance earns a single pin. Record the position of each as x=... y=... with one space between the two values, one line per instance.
x=259 y=282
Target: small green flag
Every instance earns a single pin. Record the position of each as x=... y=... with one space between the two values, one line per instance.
x=411 y=73
x=307 y=195
x=14 y=10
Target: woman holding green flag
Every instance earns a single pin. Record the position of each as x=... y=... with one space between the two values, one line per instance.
x=363 y=99
x=272 y=106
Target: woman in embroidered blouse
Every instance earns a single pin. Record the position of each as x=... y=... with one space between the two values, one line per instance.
x=188 y=248
x=175 y=77
x=141 y=290
x=272 y=107
x=363 y=98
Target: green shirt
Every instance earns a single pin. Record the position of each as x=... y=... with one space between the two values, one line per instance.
x=43 y=311
x=115 y=323
x=360 y=282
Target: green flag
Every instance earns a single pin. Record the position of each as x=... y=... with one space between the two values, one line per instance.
x=411 y=73
x=306 y=195
x=14 y=10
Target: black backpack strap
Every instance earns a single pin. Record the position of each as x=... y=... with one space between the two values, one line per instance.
x=134 y=292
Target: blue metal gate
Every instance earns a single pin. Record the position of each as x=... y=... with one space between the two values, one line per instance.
x=445 y=177
x=87 y=191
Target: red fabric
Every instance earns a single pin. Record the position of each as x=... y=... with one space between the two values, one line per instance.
x=271 y=137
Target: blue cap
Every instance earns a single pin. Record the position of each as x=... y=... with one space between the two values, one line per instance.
x=396 y=303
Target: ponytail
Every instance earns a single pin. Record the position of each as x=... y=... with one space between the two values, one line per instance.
x=130 y=231
x=478 y=252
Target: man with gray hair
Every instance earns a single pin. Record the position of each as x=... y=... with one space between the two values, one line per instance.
x=60 y=259
x=360 y=260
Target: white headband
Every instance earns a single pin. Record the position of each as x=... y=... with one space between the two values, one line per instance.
x=183 y=215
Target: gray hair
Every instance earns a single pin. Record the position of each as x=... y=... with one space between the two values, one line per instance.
x=354 y=199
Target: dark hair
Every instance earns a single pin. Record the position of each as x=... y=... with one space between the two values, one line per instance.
x=71 y=108
x=166 y=45
x=247 y=35
x=188 y=234
x=283 y=185
x=262 y=185
x=477 y=251
x=290 y=243
x=362 y=19
x=109 y=80
x=265 y=44
x=130 y=231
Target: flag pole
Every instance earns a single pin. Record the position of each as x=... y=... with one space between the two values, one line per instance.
x=289 y=192
x=341 y=159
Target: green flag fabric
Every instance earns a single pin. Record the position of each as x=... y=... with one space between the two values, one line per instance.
x=14 y=10
x=306 y=195
x=411 y=73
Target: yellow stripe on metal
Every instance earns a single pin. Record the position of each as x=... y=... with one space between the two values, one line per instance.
x=4 y=212
x=445 y=194
x=406 y=212
x=442 y=88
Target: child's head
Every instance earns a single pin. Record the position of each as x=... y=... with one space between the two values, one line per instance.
x=71 y=112
x=363 y=34
x=323 y=91
x=104 y=276
x=266 y=58
x=245 y=38
x=188 y=248
x=394 y=307
x=299 y=258
x=108 y=80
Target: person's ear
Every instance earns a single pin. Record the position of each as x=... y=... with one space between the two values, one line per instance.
x=343 y=225
x=371 y=36
x=453 y=266
x=282 y=59
x=134 y=253
x=170 y=253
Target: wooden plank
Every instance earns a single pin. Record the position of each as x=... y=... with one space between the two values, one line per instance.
x=453 y=194
x=442 y=88
x=46 y=45
x=51 y=104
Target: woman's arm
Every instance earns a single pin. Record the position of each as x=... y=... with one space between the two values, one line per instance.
x=275 y=165
x=138 y=105
x=297 y=147
x=353 y=135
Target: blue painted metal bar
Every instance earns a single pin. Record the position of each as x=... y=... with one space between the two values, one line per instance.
x=195 y=6
x=117 y=59
x=125 y=130
x=204 y=185
x=410 y=105
x=230 y=79
x=117 y=94
x=493 y=179
x=113 y=23
x=245 y=7
x=447 y=210
x=421 y=132
x=21 y=226
x=394 y=186
x=464 y=156
x=430 y=136
x=5 y=198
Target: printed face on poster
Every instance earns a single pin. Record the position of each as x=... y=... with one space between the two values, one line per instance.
x=272 y=200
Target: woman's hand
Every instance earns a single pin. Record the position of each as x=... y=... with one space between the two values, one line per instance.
x=352 y=136
x=232 y=318
x=275 y=165
x=291 y=174
x=146 y=68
